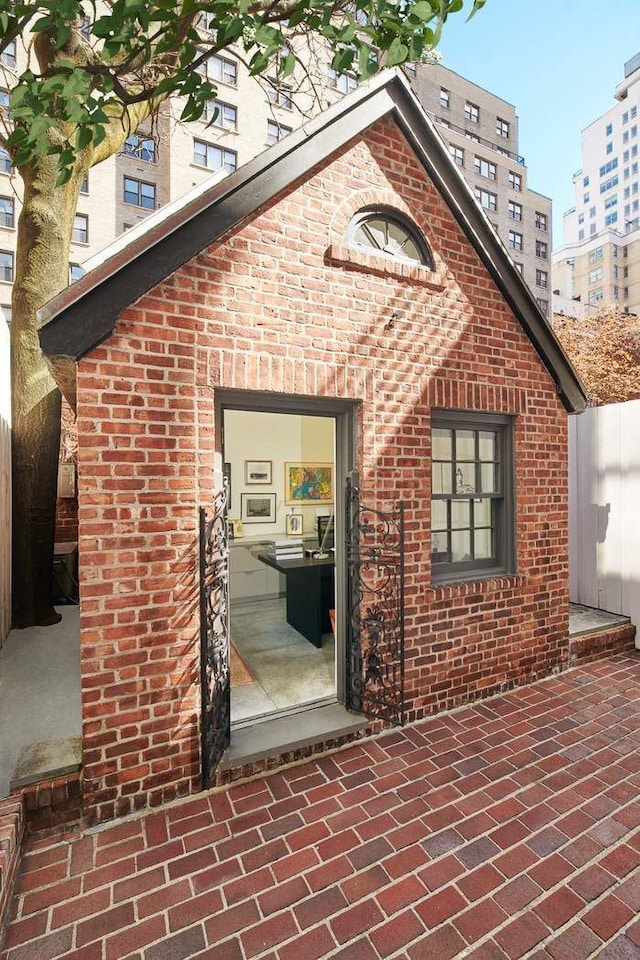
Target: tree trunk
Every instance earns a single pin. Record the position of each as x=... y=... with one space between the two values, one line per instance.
x=42 y=266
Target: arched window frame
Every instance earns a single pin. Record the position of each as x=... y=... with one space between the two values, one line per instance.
x=399 y=219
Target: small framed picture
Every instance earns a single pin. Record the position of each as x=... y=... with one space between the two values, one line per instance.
x=236 y=531
x=258 y=471
x=258 y=507
x=294 y=524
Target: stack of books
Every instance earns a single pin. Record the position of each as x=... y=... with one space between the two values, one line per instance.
x=289 y=549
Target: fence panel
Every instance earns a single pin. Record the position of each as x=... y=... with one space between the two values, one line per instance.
x=604 y=508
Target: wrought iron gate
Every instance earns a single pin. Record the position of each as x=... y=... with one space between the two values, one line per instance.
x=214 y=636
x=375 y=608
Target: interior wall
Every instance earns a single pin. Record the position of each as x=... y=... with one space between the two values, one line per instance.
x=280 y=438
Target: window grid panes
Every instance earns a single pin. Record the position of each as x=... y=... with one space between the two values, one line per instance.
x=213 y=157
x=6 y=266
x=515 y=181
x=142 y=148
x=139 y=193
x=80 y=232
x=276 y=131
x=467 y=496
x=5 y=161
x=220 y=70
x=221 y=114
x=7 y=212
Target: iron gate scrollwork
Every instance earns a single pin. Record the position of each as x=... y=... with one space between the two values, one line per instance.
x=214 y=636
x=375 y=614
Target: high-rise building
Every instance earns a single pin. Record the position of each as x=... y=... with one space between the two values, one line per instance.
x=599 y=261
x=162 y=161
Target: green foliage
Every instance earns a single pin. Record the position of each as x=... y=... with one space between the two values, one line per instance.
x=90 y=69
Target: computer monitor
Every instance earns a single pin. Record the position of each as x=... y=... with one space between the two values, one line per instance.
x=325 y=532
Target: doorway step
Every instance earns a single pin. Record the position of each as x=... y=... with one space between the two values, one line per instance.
x=282 y=740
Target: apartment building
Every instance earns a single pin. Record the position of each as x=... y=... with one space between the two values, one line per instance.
x=163 y=161
x=599 y=261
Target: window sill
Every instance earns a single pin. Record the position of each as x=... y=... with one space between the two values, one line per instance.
x=373 y=263
x=450 y=586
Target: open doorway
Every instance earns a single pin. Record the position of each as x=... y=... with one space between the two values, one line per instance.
x=286 y=644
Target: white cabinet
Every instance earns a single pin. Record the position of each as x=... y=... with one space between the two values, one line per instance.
x=250 y=578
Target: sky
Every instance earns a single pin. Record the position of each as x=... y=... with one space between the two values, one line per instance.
x=558 y=62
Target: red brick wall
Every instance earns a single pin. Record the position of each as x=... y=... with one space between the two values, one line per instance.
x=281 y=306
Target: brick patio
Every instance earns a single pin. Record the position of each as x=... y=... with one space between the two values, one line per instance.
x=506 y=829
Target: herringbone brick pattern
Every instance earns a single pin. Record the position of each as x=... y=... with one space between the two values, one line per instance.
x=508 y=829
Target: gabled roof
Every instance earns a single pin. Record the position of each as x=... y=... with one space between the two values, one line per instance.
x=85 y=313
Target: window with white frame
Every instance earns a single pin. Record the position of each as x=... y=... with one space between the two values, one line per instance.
x=595 y=276
x=276 y=131
x=141 y=148
x=279 y=94
x=342 y=82
x=457 y=153
x=5 y=161
x=542 y=278
x=542 y=249
x=595 y=254
x=596 y=296
x=80 y=232
x=444 y=98
x=542 y=220
x=220 y=70
x=7 y=212
x=502 y=127
x=8 y=55
x=75 y=272
x=213 y=157
x=221 y=114
x=515 y=180
x=6 y=266
x=472 y=516
x=385 y=231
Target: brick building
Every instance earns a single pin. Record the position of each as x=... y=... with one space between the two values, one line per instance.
x=344 y=280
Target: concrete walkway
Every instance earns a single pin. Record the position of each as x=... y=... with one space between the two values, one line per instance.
x=39 y=688
x=508 y=829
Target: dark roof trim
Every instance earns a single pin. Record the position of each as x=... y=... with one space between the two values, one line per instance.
x=85 y=314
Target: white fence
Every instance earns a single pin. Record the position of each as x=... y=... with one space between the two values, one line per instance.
x=604 y=508
x=5 y=482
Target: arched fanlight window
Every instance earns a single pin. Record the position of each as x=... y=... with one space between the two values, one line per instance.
x=390 y=234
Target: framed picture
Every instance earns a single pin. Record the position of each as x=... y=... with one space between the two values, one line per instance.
x=294 y=524
x=226 y=479
x=258 y=507
x=258 y=471
x=235 y=529
x=308 y=483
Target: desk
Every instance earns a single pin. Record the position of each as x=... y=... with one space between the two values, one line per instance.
x=310 y=594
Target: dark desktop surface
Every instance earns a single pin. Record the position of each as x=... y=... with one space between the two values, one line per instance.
x=310 y=593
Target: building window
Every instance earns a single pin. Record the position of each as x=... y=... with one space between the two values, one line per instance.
x=205 y=21
x=502 y=127
x=592 y=230
x=472 y=112
x=608 y=130
x=342 y=82
x=409 y=70
x=140 y=194
x=389 y=233
x=8 y=55
x=581 y=218
x=596 y=296
x=488 y=200
x=580 y=234
x=472 y=136
x=542 y=278
x=515 y=241
x=610 y=202
x=472 y=522
x=634 y=112
x=585 y=181
x=542 y=221
x=625 y=117
x=220 y=70
x=457 y=153
x=276 y=131
x=515 y=210
x=542 y=249
x=608 y=166
x=595 y=276
x=5 y=101
x=515 y=180
x=484 y=167
x=595 y=254
x=214 y=158
x=220 y=114
x=142 y=148
x=5 y=161
x=278 y=94
x=519 y=267
x=585 y=198
x=84 y=186
x=75 y=272
x=543 y=304
x=611 y=218
x=80 y=232
x=7 y=213
x=444 y=98
x=6 y=266
x=609 y=148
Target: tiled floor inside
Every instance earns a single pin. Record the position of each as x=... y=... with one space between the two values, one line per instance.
x=286 y=669
x=507 y=829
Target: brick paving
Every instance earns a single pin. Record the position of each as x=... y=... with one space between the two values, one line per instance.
x=506 y=829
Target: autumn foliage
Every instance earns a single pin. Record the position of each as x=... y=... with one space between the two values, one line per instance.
x=604 y=349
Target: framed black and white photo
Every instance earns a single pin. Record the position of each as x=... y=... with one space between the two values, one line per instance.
x=258 y=471
x=294 y=524
x=258 y=507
